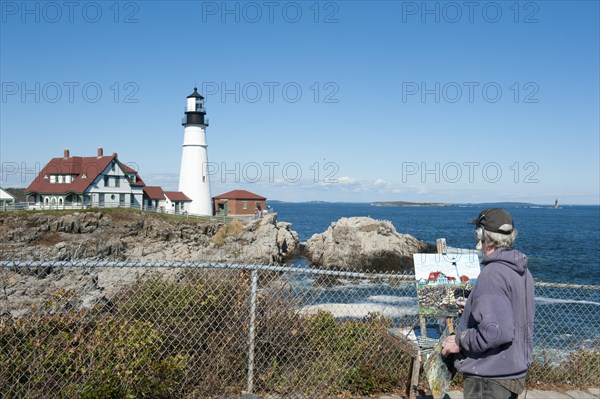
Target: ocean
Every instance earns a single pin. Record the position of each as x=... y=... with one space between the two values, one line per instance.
x=563 y=245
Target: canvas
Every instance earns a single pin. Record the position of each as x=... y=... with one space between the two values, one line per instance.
x=443 y=280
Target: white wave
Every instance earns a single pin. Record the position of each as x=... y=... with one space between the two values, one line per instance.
x=359 y=310
x=543 y=300
x=409 y=300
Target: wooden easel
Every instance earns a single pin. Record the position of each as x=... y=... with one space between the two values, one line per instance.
x=415 y=348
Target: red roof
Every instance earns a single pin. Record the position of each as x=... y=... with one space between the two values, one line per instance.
x=177 y=196
x=464 y=278
x=83 y=169
x=240 y=194
x=434 y=276
x=154 y=192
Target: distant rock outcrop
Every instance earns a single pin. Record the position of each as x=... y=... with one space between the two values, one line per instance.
x=364 y=243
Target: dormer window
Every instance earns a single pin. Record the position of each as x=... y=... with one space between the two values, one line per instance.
x=83 y=176
x=46 y=177
x=52 y=179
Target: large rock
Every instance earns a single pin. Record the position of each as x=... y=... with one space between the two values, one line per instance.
x=364 y=243
x=140 y=236
x=126 y=236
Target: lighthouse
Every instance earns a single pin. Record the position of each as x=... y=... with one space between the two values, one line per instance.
x=193 y=175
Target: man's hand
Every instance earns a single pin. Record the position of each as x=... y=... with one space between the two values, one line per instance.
x=450 y=346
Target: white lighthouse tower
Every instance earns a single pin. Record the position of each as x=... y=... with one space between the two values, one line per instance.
x=193 y=175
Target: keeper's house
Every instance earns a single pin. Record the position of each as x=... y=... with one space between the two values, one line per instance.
x=100 y=181
x=239 y=203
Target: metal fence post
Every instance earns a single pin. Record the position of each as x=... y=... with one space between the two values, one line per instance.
x=250 y=385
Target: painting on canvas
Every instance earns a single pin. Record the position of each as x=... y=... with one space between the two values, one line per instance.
x=444 y=280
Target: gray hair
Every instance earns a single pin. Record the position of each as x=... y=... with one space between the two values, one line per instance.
x=498 y=240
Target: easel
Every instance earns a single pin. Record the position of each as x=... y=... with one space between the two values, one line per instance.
x=418 y=348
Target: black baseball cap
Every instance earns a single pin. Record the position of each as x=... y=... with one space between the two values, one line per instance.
x=496 y=220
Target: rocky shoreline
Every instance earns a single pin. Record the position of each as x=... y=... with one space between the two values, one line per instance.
x=134 y=236
x=130 y=235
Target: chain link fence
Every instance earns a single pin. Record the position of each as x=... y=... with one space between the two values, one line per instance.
x=197 y=330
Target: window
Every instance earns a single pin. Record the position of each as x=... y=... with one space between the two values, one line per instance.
x=106 y=180
x=112 y=197
x=117 y=181
x=61 y=179
x=100 y=199
x=244 y=204
x=52 y=178
x=121 y=198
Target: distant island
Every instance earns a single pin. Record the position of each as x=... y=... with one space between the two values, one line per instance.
x=404 y=203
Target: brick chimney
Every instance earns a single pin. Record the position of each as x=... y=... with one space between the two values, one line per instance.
x=66 y=154
x=100 y=152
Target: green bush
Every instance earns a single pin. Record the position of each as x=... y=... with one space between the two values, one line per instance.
x=333 y=357
x=74 y=355
x=201 y=317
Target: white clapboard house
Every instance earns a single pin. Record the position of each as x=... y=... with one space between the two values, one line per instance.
x=100 y=181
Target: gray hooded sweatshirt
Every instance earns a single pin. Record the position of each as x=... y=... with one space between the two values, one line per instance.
x=496 y=329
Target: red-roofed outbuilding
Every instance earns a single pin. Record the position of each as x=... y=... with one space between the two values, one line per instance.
x=239 y=203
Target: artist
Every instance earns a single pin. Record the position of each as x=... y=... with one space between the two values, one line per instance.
x=493 y=340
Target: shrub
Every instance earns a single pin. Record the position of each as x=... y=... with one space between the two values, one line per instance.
x=333 y=357
x=73 y=355
x=202 y=318
x=574 y=372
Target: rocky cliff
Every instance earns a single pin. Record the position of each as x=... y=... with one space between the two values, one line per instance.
x=139 y=236
x=120 y=235
x=364 y=243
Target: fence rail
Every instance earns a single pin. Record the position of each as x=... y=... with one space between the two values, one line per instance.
x=214 y=330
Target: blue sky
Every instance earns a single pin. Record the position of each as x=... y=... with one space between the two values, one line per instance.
x=334 y=100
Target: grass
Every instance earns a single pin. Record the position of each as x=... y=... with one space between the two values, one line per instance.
x=229 y=230
x=124 y=212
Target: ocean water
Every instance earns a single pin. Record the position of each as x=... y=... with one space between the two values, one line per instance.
x=563 y=244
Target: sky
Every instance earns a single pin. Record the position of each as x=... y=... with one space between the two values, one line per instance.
x=352 y=101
